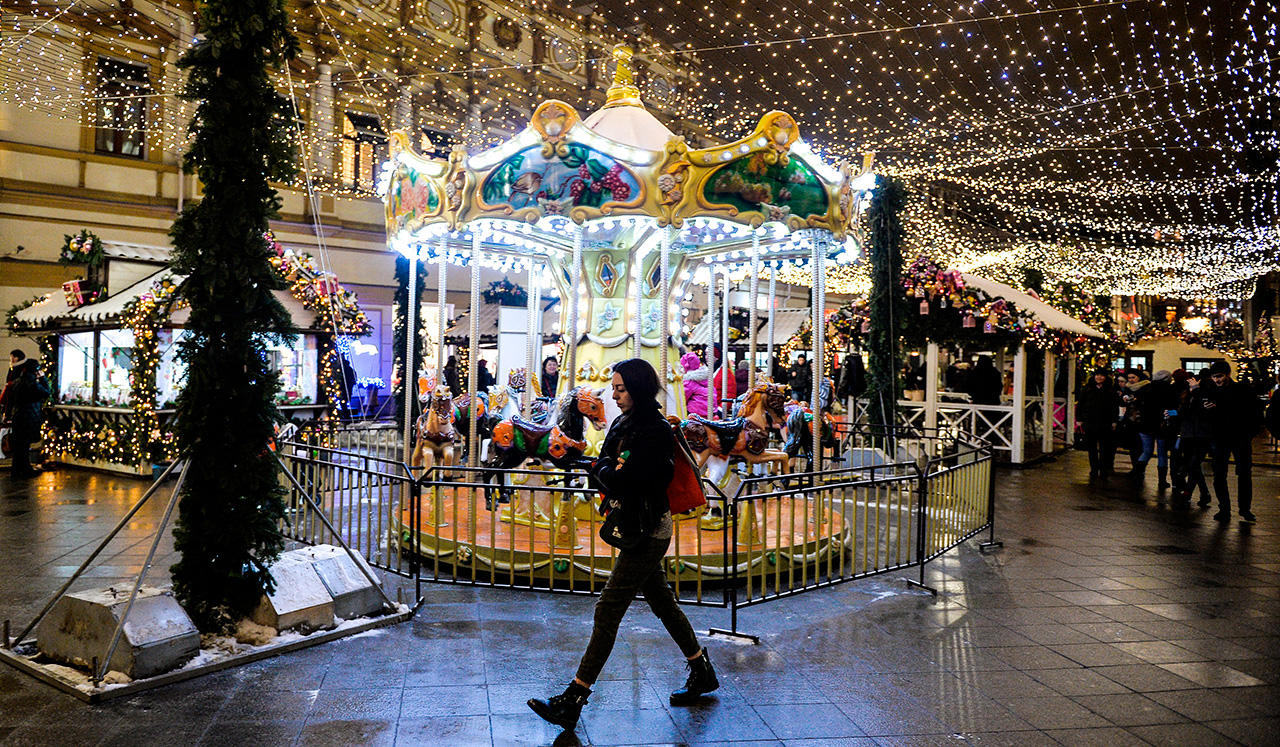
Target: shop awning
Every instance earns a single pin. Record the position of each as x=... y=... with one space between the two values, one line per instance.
x=1048 y=315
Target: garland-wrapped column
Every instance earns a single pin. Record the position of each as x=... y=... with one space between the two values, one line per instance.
x=409 y=379
x=886 y=302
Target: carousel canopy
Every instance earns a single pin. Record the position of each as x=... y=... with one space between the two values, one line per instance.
x=1048 y=315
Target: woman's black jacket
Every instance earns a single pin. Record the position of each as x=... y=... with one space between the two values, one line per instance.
x=639 y=486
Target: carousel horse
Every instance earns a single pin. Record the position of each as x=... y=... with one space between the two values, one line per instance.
x=561 y=443
x=746 y=436
x=714 y=442
x=799 y=429
x=436 y=436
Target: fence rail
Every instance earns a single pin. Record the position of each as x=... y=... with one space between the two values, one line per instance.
x=882 y=500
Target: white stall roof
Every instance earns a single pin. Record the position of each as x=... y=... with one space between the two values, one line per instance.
x=488 y=325
x=785 y=325
x=113 y=306
x=1042 y=311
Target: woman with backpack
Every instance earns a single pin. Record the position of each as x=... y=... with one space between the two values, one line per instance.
x=633 y=471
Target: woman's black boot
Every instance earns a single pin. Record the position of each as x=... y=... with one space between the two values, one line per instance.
x=702 y=680
x=562 y=710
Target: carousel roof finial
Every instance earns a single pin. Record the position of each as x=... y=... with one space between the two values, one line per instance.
x=623 y=91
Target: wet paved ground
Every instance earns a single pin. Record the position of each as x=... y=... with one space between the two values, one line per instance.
x=1109 y=618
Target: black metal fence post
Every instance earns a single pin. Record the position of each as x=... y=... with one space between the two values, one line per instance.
x=923 y=474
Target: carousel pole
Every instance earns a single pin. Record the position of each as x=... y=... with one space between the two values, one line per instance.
x=815 y=396
x=636 y=281
x=712 y=326
x=571 y=334
x=473 y=345
x=664 y=320
x=531 y=345
x=725 y=371
x=409 y=376
x=752 y=314
x=773 y=314
x=442 y=271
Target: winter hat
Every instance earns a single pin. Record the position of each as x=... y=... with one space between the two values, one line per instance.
x=690 y=361
x=1220 y=367
x=1180 y=375
x=1162 y=375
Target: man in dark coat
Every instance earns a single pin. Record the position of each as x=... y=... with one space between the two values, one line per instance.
x=801 y=380
x=1098 y=410
x=16 y=359
x=1233 y=419
x=29 y=392
x=985 y=382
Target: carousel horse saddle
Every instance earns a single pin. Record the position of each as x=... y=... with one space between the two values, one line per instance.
x=531 y=430
x=727 y=433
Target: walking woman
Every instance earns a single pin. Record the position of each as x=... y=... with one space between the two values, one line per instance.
x=633 y=471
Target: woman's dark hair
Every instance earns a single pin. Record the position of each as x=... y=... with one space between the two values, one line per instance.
x=31 y=366
x=640 y=380
x=549 y=359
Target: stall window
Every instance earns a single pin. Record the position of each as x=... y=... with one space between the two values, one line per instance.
x=297 y=367
x=75 y=368
x=115 y=361
x=170 y=372
x=1135 y=360
x=120 y=118
x=1196 y=365
x=364 y=147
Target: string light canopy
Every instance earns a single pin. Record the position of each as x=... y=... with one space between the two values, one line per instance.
x=1126 y=144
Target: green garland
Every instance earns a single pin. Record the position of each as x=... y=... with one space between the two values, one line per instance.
x=886 y=310
x=399 y=332
x=232 y=500
x=84 y=248
x=505 y=293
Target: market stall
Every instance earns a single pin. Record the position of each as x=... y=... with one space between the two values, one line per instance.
x=110 y=346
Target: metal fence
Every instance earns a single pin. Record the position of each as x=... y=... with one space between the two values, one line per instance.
x=881 y=500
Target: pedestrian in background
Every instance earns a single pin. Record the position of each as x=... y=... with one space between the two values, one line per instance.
x=1195 y=437
x=29 y=392
x=1098 y=410
x=1234 y=420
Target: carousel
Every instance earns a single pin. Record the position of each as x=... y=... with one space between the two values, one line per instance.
x=623 y=219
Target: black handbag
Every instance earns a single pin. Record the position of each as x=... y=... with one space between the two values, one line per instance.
x=611 y=530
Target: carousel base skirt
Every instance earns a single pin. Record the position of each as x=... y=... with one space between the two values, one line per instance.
x=555 y=543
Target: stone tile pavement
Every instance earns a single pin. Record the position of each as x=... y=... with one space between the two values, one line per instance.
x=1109 y=618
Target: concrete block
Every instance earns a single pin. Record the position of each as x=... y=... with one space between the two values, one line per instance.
x=865 y=457
x=300 y=602
x=353 y=594
x=157 y=637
